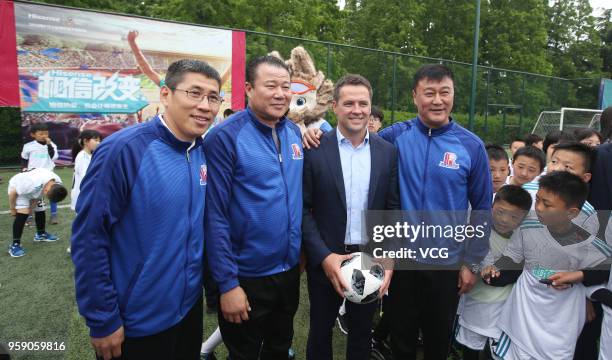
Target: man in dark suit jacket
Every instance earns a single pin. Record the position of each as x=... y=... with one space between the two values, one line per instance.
x=350 y=172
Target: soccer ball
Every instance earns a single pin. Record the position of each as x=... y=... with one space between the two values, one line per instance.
x=364 y=277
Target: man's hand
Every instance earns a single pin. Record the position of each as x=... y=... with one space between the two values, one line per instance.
x=235 y=305
x=110 y=346
x=385 y=285
x=466 y=280
x=565 y=279
x=331 y=266
x=13 y=212
x=489 y=272
x=311 y=138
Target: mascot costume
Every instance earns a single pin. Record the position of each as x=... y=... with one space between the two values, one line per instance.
x=312 y=93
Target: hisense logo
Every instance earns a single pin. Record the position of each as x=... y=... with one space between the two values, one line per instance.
x=42 y=17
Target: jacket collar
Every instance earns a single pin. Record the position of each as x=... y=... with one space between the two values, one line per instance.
x=434 y=132
x=168 y=137
x=263 y=127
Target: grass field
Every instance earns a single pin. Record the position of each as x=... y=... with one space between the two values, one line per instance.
x=37 y=293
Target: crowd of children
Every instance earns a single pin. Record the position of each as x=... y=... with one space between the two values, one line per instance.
x=543 y=274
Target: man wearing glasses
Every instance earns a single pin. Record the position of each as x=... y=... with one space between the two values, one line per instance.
x=254 y=216
x=137 y=239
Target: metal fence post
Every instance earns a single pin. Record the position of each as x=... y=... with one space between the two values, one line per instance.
x=394 y=88
x=474 y=66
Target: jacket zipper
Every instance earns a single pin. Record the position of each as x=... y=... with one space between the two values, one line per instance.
x=426 y=167
x=189 y=228
x=280 y=162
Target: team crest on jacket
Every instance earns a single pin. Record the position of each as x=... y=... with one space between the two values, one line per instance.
x=203 y=174
x=297 y=152
x=449 y=161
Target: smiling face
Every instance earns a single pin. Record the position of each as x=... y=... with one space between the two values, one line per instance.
x=353 y=109
x=186 y=117
x=270 y=94
x=434 y=101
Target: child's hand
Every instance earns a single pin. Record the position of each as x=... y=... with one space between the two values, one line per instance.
x=565 y=279
x=489 y=271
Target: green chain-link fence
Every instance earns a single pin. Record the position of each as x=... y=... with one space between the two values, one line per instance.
x=507 y=102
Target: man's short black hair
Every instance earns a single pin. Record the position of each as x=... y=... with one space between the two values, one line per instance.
x=57 y=193
x=496 y=152
x=533 y=153
x=435 y=72
x=514 y=195
x=251 y=70
x=39 y=127
x=227 y=112
x=532 y=139
x=557 y=136
x=178 y=69
x=351 y=79
x=585 y=152
x=569 y=187
x=377 y=113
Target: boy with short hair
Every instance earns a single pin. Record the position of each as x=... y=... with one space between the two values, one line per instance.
x=539 y=321
x=534 y=140
x=481 y=307
x=499 y=165
x=575 y=158
x=26 y=191
x=528 y=162
x=40 y=154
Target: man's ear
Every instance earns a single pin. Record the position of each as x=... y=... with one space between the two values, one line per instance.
x=587 y=177
x=248 y=89
x=164 y=94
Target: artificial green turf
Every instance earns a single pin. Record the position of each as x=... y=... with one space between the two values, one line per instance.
x=37 y=293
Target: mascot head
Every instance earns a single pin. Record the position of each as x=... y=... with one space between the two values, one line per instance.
x=312 y=93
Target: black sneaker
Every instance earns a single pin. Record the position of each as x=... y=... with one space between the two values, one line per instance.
x=381 y=350
x=342 y=325
x=210 y=356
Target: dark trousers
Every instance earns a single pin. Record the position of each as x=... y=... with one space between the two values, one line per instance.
x=586 y=346
x=268 y=333
x=425 y=299
x=324 y=305
x=383 y=328
x=180 y=342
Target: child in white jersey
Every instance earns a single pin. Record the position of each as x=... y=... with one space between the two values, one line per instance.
x=83 y=147
x=540 y=319
x=40 y=153
x=25 y=192
x=481 y=307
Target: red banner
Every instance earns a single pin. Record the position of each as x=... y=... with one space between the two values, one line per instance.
x=9 y=80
